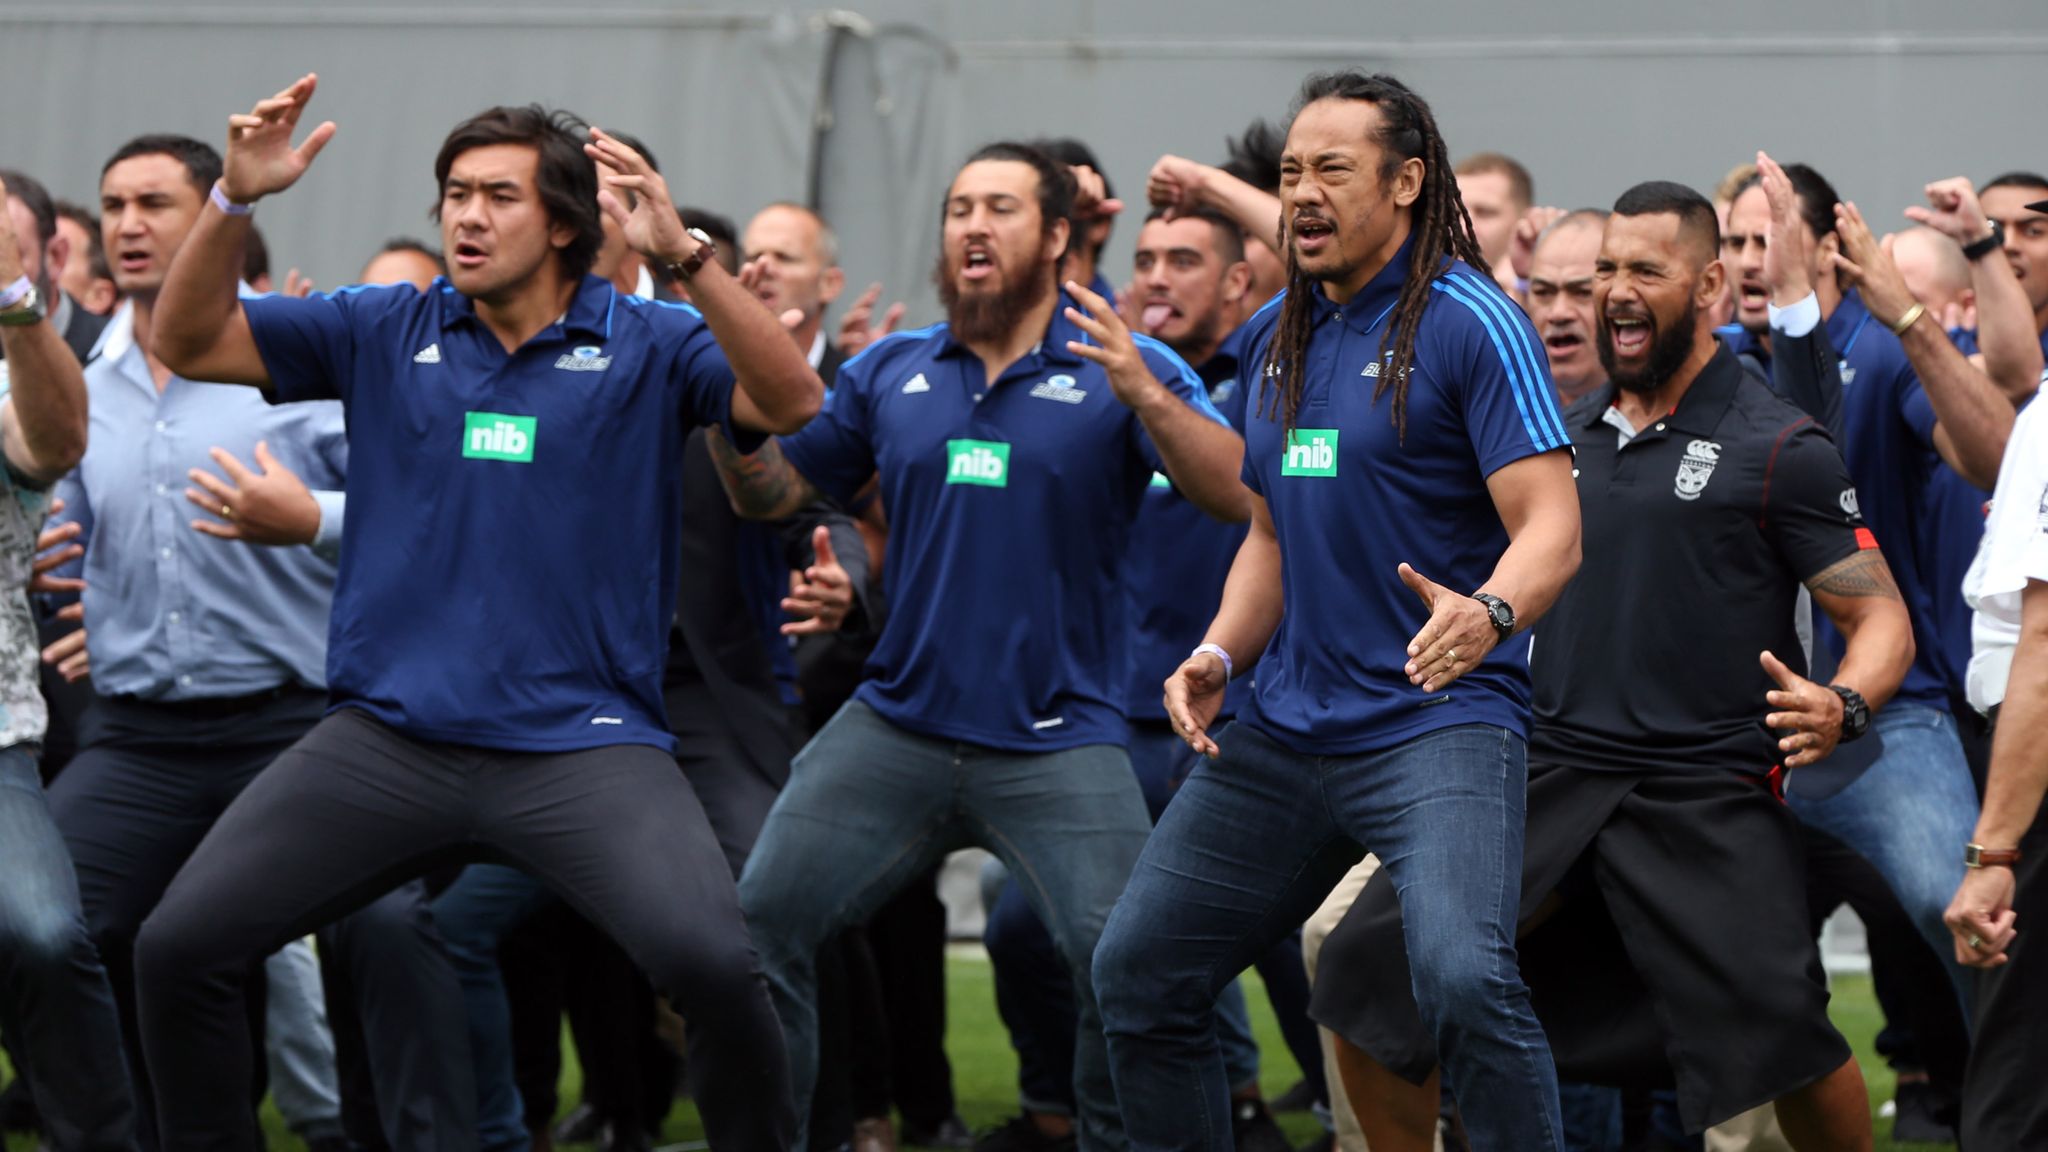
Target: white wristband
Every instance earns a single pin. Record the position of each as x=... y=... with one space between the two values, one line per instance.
x=221 y=201
x=16 y=292
x=1217 y=651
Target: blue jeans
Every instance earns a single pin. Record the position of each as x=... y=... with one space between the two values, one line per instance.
x=1909 y=814
x=1033 y=995
x=54 y=998
x=1250 y=847
x=473 y=915
x=869 y=807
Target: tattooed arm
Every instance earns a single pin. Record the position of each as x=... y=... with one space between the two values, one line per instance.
x=1859 y=595
x=763 y=486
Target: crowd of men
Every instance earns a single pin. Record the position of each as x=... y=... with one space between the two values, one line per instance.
x=1559 y=615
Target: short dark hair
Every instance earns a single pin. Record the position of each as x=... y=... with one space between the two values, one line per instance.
x=1697 y=219
x=565 y=176
x=1227 y=236
x=2015 y=180
x=255 y=256
x=1254 y=156
x=1521 y=185
x=1817 y=197
x=202 y=164
x=720 y=228
x=89 y=220
x=36 y=198
x=410 y=244
x=1074 y=154
x=1055 y=183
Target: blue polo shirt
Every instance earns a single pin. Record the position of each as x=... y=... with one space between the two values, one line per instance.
x=510 y=568
x=1951 y=527
x=1351 y=500
x=1180 y=557
x=1010 y=509
x=1887 y=439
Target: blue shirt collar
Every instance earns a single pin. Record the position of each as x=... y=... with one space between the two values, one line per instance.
x=590 y=310
x=1365 y=310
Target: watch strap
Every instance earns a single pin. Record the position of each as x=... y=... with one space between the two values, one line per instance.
x=690 y=265
x=1978 y=856
x=1499 y=613
x=1976 y=250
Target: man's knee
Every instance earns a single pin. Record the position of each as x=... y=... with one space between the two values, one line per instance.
x=1462 y=988
x=1136 y=982
x=43 y=939
x=174 y=945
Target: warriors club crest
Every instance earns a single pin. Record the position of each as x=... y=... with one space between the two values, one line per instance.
x=1696 y=469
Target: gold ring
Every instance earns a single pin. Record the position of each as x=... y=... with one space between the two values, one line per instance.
x=226 y=513
x=1453 y=654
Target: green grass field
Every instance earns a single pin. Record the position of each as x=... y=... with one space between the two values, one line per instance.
x=985 y=1069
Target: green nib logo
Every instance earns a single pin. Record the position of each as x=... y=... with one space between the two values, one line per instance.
x=497 y=436
x=1310 y=452
x=983 y=462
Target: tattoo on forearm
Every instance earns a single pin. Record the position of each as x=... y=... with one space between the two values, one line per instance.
x=763 y=484
x=1861 y=575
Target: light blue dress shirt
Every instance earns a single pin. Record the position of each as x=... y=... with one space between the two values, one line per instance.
x=170 y=613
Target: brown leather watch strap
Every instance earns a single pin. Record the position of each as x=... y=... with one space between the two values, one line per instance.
x=1978 y=856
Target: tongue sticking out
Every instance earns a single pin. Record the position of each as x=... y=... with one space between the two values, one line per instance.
x=1156 y=315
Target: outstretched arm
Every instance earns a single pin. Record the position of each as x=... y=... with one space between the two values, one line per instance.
x=761 y=486
x=201 y=331
x=2005 y=320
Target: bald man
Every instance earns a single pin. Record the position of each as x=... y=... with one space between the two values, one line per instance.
x=1560 y=300
x=1938 y=275
x=796 y=257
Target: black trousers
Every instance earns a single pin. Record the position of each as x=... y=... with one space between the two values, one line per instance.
x=356 y=807
x=147 y=785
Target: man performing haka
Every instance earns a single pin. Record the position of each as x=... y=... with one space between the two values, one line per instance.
x=1413 y=512
x=1014 y=444
x=1664 y=919
x=504 y=593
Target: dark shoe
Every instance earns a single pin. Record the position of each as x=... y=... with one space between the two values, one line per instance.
x=1300 y=1098
x=874 y=1134
x=581 y=1126
x=1327 y=1142
x=1918 y=1118
x=951 y=1134
x=1021 y=1134
x=1252 y=1128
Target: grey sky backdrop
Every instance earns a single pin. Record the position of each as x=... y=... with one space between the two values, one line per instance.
x=872 y=107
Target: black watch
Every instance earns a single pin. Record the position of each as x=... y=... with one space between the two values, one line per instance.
x=1498 y=611
x=1976 y=250
x=1855 y=712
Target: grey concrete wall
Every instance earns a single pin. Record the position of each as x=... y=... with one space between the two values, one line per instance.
x=1879 y=94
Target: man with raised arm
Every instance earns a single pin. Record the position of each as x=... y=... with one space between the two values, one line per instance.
x=1014 y=444
x=1413 y=513
x=504 y=594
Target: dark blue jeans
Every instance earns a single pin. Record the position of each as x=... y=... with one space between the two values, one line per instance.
x=1035 y=998
x=473 y=914
x=54 y=998
x=870 y=807
x=1250 y=847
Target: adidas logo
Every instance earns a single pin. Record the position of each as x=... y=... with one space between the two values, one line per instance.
x=431 y=354
x=917 y=384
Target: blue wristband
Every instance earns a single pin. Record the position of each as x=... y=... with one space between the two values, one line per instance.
x=227 y=206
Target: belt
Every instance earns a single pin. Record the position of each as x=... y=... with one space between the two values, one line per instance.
x=214 y=706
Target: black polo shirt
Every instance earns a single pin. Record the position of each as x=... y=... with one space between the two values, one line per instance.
x=1697 y=536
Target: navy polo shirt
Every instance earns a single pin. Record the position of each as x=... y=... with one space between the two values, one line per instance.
x=1351 y=500
x=1951 y=527
x=1888 y=442
x=1180 y=557
x=510 y=569
x=1010 y=509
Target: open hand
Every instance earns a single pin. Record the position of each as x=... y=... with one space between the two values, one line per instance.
x=1113 y=347
x=857 y=328
x=1456 y=637
x=636 y=197
x=1788 y=249
x=1868 y=265
x=1194 y=696
x=1813 y=713
x=821 y=595
x=260 y=159
x=268 y=506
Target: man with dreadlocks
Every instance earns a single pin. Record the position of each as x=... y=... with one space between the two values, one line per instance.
x=1413 y=511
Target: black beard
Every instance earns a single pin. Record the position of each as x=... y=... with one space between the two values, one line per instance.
x=987 y=317
x=1668 y=353
x=1200 y=336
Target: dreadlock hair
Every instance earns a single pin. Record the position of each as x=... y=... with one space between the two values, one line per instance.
x=1441 y=230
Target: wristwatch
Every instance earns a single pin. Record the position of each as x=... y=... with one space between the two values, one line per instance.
x=1978 y=249
x=28 y=310
x=1498 y=611
x=1978 y=856
x=683 y=269
x=1855 y=712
